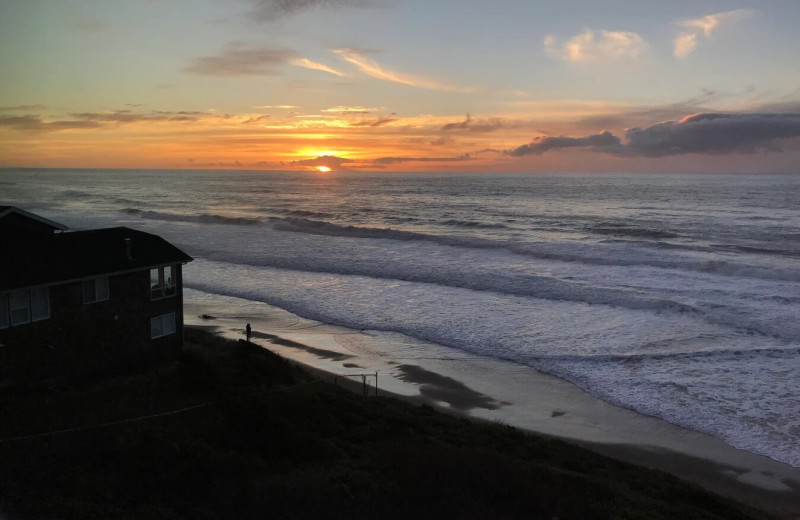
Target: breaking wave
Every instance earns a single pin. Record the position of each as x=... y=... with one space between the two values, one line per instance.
x=203 y=218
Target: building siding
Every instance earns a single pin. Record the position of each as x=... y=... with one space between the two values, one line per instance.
x=80 y=339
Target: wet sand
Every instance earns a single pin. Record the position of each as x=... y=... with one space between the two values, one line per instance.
x=497 y=391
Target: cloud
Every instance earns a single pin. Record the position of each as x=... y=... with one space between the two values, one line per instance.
x=308 y=64
x=686 y=42
x=459 y=126
x=271 y=10
x=591 y=47
x=239 y=59
x=21 y=108
x=394 y=160
x=92 y=120
x=539 y=145
x=284 y=107
x=331 y=161
x=704 y=133
x=376 y=122
x=32 y=123
x=713 y=134
x=485 y=126
x=349 y=110
x=709 y=23
x=373 y=69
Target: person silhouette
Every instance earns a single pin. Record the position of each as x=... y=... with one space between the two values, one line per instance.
x=248 y=330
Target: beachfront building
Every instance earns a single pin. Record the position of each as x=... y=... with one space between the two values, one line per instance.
x=75 y=303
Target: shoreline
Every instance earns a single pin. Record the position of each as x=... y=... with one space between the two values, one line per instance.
x=524 y=398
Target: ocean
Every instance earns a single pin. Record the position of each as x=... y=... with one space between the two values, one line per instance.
x=675 y=295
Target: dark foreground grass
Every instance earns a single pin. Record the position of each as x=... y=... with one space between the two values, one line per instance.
x=273 y=444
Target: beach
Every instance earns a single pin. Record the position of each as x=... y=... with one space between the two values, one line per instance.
x=497 y=391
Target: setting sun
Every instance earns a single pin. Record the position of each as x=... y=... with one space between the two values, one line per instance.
x=323 y=169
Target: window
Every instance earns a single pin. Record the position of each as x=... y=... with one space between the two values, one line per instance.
x=169 y=280
x=155 y=284
x=163 y=325
x=95 y=290
x=24 y=306
x=40 y=304
x=20 y=307
x=3 y=311
x=162 y=282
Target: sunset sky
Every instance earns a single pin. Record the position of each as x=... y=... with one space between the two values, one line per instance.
x=409 y=85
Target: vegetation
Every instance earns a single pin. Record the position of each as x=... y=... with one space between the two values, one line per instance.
x=264 y=440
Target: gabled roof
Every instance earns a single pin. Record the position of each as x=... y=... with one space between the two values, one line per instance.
x=9 y=210
x=81 y=254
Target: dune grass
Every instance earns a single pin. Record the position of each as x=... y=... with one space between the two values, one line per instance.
x=266 y=441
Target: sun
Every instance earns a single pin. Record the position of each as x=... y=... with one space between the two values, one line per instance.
x=323 y=169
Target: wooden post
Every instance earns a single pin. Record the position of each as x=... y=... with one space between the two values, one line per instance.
x=376 y=383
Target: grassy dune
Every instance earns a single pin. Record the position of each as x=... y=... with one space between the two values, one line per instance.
x=265 y=441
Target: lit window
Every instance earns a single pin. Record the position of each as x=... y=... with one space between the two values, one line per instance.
x=95 y=289
x=162 y=282
x=3 y=311
x=40 y=304
x=163 y=325
x=20 y=307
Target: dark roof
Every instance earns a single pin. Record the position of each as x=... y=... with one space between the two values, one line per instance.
x=10 y=210
x=81 y=254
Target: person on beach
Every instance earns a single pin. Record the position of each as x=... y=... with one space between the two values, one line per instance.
x=247 y=330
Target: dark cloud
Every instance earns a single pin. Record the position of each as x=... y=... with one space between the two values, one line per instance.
x=88 y=120
x=704 y=133
x=238 y=59
x=32 y=123
x=539 y=145
x=486 y=125
x=331 y=161
x=22 y=108
x=375 y=122
x=712 y=134
x=393 y=160
x=127 y=116
x=271 y=10
x=459 y=126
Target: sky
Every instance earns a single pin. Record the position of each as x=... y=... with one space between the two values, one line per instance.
x=402 y=85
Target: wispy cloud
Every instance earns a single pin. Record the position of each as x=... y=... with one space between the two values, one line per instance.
x=375 y=122
x=374 y=70
x=394 y=160
x=313 y=65
x=484 y=125
x=21 y=108
x=590 y=46
x=240 y=59
x=705 y=133
x=271 y=10
x=35 y=124
x=283 y=107
x=97 y=120
x=686 y=42
x=350 y=110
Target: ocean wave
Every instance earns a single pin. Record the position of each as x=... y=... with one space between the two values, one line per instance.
x=203 y=218
x=306 y=213
x=473 y=224
x=75 y=194
x=590 y=255
x=770 y=352
x=613 y=228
